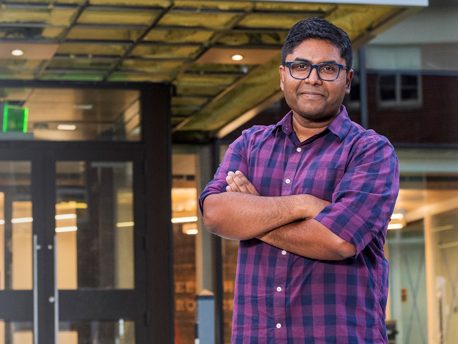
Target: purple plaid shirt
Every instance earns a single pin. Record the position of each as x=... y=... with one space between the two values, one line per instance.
x=284 y=298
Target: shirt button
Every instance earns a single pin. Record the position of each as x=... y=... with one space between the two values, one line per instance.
x=287 y=180
x=298 y=149
x=278 y=325
x=279 y=289
x=283 y=252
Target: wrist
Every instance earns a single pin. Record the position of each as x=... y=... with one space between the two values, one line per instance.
x=301 y=206
x=314 y=205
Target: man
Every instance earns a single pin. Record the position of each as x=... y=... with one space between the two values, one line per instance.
x=309 y=199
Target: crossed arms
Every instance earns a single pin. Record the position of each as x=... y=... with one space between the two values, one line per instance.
x=285 y=222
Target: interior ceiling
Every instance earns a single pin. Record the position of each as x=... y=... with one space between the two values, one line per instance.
x=185 y=43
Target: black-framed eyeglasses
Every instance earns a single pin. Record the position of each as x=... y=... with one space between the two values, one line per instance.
x=327 y=71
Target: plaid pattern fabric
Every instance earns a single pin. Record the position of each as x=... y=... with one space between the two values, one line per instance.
x=284 y=298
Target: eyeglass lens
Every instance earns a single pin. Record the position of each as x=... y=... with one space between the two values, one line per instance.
x=326 y=71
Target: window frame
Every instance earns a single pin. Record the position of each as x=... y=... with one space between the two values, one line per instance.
x=398 y=88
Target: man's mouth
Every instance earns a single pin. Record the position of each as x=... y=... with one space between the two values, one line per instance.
x=311 y=94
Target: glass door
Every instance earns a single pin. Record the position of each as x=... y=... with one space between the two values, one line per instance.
x=95 y=251
x=72 y=253
x=17 y=278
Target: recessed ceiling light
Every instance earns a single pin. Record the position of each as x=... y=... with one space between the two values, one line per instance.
x=17 y=52
x=237 y=57
x=68 y=127
x=83 y=106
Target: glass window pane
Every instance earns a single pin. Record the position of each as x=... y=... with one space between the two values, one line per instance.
x=445 y=229
x=387 y=84
x=70 y=114
x=100 y=332
x=409 y=87
x=229 y=254
x=422 y=247
x=15 y=226
x=21 y=243
x=185 y=232
x=408 y=281
x=94 y=225
x=184 y=235
x=16 y=332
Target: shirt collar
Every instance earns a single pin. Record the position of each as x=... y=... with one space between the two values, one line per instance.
x=339 y=126
x=286 y=123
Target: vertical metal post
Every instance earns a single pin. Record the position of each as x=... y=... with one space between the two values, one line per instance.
x=218 y=259
x=56 y=294
x=36 y=248
x=205 y=264
x=156 y=130
x=363 y=87
x=206 y=318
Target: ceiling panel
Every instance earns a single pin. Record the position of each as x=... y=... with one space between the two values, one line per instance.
x=151 y=66
x=16 y=65
x=189 y=101
x=277 y=6
x=117 y=16
x=173 y=42
x=179 y=35
x=272 y=20
x=20 y=74
x=91 y=49
x=216 y=5
x=78 y=75
x=272 y=37
x=139 y=77
x=158 y=3
x=110 y=34
x=165 y=51
x=209 y=20
x=80 y=64
x=44 y=15
x=199 y=80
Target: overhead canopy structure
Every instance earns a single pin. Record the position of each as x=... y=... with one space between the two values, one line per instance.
x=186 y=43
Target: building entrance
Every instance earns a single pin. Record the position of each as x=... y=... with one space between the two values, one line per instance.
x=72 y=243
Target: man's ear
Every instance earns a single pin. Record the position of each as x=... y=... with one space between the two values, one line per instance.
x=281 y=70
x=348 y=81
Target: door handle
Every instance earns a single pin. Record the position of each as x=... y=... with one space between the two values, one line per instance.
x=56 y=295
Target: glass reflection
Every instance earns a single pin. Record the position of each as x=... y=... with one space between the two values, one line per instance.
x=15 y=226
x=94 y=225
x=70 y=114
x=97 y=332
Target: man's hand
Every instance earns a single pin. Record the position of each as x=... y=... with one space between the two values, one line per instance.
x=237 y=182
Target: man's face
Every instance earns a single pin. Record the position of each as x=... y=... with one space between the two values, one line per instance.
x=315 y=100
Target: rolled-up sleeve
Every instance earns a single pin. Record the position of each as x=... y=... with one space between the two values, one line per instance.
x=234 y=159
x=364 y=199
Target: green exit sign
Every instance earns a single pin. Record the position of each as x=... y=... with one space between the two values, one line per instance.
x=15 y=118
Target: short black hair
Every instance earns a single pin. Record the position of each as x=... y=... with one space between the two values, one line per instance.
x=317 y=28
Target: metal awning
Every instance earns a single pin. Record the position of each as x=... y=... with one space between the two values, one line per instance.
x=186 y=43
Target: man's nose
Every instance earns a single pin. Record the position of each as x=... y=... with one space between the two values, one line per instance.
x=314 y=78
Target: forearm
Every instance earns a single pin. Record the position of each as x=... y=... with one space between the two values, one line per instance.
x=310 y=239
x=243 y=216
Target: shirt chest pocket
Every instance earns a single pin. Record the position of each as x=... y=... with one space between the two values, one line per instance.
x=319 y=182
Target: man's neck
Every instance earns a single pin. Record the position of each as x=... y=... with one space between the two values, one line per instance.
x=305 y=129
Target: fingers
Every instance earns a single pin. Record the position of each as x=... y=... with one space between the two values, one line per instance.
x=244 y=184
x=231 y=184
x=237 y=182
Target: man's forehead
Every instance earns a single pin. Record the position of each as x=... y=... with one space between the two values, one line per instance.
x=312 y=49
